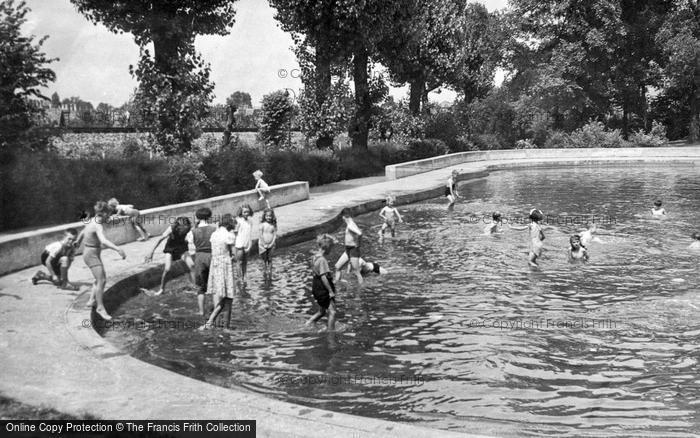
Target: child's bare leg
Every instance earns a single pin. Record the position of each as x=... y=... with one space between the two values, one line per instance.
x=318 y=315
x=65 y=264
x=212 y=317
x=139 y=228
x=190 y=265
x=342 y=261
x=355 y=263
x=200 y=303
x=99 y=288
x=226 y=312
x=532 y=259
x=331 y=316
x=166 y=270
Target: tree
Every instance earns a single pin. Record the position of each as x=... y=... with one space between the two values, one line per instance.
x=679 y=40
x=174 y=82
x=24 y=72
x=277 y=113
x=319 y=45
x=55 y=100
x=421 y=46
x=239 y=99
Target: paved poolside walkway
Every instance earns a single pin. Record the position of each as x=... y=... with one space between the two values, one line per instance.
x=50 y=357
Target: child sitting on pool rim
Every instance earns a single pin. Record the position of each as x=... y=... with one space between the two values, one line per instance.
x=198 y=239
x=175 y=249
x=536 y=236
x=261 y=187
x=57 y=258
x=390 y=215
x=322 y=286
x=451 y=189
x=657 y=210
x=577 y=252
x=695 y=246
x=495 y=225
x=133 y=214
x=353 y=234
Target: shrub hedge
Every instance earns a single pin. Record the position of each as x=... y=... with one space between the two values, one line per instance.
x=45 y=188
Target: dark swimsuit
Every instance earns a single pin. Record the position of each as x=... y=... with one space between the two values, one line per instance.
x=447 y=190
x=176 y=244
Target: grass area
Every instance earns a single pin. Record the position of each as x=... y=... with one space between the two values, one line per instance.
x=14 y=410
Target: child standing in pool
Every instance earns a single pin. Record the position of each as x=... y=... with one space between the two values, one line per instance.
x=94 y=239
x=221 y=283
x=176 y=248
x=390 y=215
x=353 y=234
x=322 y=286
x=495 y=226
x=657 y=210
x=695 y=246
x=244 y=227
x=536 y=236
x=451 y=189
x=133 y=214
x=199 y=239
x=577 y=252
x=266 y=241
x=261 y=187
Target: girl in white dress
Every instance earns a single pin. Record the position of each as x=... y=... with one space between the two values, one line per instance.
x=221 y=283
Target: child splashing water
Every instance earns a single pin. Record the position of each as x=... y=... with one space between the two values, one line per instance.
x=353 y=234
x=495 y=226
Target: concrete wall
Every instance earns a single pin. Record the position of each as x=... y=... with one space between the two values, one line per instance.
x=402 y=170
x=22 y=250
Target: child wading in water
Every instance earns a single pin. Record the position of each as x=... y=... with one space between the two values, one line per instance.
x=577 y=252
x=695 y=246
x=495 y=225
x=199 y=239
x=57 y=258
x=266 y=241
x=261 y=187
x=367 y=268
x=133 y=214
x=244 y=228
x=536 y=236
x=390 y=215
x=657 y=210
x=451 y=189
x=353 y=234
x=175 y=249
x=221 y=280
x=94 y=238
x=322 y=286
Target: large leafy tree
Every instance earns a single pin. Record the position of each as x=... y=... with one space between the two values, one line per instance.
x=23 y=72
x=174 y=84
x=421 y=47
x=239 y=99
x=679 y=40
x=319 y=46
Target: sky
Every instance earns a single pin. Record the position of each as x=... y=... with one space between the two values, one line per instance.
x=256 y=56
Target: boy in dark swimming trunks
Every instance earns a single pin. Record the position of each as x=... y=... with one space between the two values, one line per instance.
x=322 y=286
x=57 y=258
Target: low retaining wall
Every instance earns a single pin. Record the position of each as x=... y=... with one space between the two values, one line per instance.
x=401 y=170
x=22 y=250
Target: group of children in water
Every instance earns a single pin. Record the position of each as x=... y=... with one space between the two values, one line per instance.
x=210 y=250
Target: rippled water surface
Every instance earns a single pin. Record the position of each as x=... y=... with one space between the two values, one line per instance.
x=462 y=331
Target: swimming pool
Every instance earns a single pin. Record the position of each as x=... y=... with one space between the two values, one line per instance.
x=461 y=330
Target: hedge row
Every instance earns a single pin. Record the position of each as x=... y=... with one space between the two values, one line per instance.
x=46 y=189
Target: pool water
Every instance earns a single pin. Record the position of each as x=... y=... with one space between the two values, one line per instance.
x=461 y=331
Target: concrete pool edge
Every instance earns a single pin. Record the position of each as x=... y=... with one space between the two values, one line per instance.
x=175 y=396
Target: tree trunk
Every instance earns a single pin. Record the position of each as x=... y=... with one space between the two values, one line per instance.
x=359 y=126
x=417 y=88
x=323 y=86
x=694 y=128
x=625 y=123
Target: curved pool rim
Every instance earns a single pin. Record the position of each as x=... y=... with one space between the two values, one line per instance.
x=291 y=415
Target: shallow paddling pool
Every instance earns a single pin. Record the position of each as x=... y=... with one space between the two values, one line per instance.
x=461 y=330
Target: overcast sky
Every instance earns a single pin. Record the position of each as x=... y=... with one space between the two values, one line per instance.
x=94 y=63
